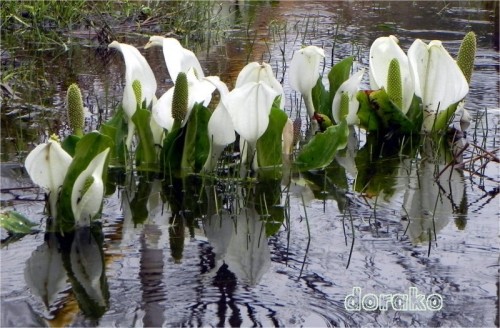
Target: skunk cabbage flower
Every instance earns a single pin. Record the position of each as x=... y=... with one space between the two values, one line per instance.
x=249 y=107
x=439 y=81
x=199 y=91
x=47 y=165
x=177 y=58
x=136 y=69
x=220 y=126
x=345 y=104
x=88 y=190
x=255 y=72
x=390 y=70
x=304 y=73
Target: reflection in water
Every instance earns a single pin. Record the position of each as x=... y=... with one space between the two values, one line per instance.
x=44 y=273
x=431 y=202
x=240 y=244
x=77 y=257
x=150 y=288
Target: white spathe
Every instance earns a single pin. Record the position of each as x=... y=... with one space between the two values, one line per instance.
x=177 y=58
x=249 y=107
x=382 y=52
x=47 y=165
x=351 y=87
x=255 y=72
x=136 y=68
x=199 y=91
x=304 y=73
x=439 y=81
x=220 y=126
x=88 y=190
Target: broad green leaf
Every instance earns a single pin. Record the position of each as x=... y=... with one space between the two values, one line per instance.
x=15 y=222
x=338 y=75
x=89 y=147
x=415 y=113
x=170 y=156
x=443 y=118
x=269 y=145
x=116 y=129
x=69 y=144
x=145 y=153
x=321 y=99
x=196 y=144
x=321 y=149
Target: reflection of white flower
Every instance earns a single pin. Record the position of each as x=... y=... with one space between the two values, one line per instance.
x=429 y=203
x=439 y=81
x=240 y=241
x=47 y=165
x=44 y=272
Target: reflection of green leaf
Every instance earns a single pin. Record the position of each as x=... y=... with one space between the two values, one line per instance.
x=83 y=259
x=378 y=163
x=321 y=149
x=269 y=145
x=330 y=183
x=15 y=222
x=91 y=145
x=139 y=204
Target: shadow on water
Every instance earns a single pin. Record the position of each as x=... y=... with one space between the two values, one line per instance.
x=383 y=216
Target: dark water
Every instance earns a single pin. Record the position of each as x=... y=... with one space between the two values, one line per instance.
x=229 y=273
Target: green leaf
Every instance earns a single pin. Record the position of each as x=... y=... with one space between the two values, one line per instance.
x=443 y=118
x=69 y=144
x=269 y=145
x=116 y=129
x=89 y=147
x=391 y=117
x=146 y=153
x=321 y=149
x=15 y=222
x=321 y=99
x=196 y=144
x=339 y=74
x=173 y=145
x=368 y=118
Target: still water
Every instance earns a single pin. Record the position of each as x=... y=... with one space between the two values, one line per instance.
x=208 y=255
